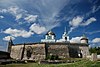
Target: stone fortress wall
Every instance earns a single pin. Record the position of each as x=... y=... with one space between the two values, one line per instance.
x=49 y=47
x=29 y=51
x=39 y=51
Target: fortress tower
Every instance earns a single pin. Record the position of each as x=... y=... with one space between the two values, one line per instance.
x=84 y=39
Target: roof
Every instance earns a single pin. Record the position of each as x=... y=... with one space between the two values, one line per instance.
x=50 y=33
x=84 y=37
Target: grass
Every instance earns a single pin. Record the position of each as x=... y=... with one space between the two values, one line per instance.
x=82 y=63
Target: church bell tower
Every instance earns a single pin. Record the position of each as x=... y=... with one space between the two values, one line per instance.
x=64 y=36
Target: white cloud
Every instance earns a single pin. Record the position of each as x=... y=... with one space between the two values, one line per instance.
x=19 y=13
x=95 y=8
x=3 y=10
x=1 y=17
x=37 y=28
x=96 y=40
x=75 y=40
x=76 y=21
x=89 y=21
x=17 y=33
x=71 y=29
x=18 y=16
x=7 y=38
x=15 y=11
x=31 y=18
x=47 y=11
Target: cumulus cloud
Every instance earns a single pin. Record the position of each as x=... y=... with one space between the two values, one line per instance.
x=31 y=18
x=75 y=40
x=76 y=21
x=20 y=13
x=1 y=17
x=79 y=21
x=18 y=16
x=37 y=28
x=3 y=10
x=96 y=40
x=17 y=33
x=7 y=38
x=89 y=21
x=15 y=11
x=46 y=10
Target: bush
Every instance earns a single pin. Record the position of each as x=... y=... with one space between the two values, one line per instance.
x=52 y=57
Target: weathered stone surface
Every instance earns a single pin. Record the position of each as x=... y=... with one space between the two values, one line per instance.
x=39 y=51
x=84 y=51
x=16 y=51
x=94 y=57
x=59 y=50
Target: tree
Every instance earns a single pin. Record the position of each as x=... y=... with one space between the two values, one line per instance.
x=95 y=50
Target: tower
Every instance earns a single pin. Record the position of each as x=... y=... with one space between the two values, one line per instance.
x=84 y=39
x=49 y=37
x=64 y=36
x=10 y=43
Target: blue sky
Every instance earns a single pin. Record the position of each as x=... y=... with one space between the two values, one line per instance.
x=29 y=20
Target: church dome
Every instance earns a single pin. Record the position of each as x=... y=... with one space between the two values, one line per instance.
x=50 y=33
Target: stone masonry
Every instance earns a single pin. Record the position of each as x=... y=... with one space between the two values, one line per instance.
x=39 y=51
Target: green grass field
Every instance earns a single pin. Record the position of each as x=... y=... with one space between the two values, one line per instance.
x=82 y=63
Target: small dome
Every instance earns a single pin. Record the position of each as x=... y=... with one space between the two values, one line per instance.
x=50 y=33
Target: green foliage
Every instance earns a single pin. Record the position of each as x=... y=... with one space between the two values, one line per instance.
x=95 y=50
x=52 y=57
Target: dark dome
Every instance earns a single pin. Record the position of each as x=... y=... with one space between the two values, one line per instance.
x=84 y=39
x=50 y=33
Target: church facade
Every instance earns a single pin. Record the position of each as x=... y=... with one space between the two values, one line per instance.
x=48 y=47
